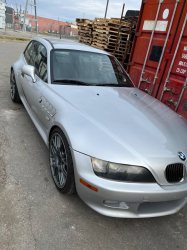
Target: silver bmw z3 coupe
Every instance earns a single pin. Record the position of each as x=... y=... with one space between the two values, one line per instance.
x=123 y=151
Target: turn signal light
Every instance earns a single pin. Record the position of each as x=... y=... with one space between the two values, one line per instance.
x=88 y=185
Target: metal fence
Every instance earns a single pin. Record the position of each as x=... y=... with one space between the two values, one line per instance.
x=45 y=28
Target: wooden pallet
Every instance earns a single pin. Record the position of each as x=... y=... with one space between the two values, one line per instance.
x=85 y=40
x=98 y=19
x=85 y=30
x=113 y=35
x=82 y=20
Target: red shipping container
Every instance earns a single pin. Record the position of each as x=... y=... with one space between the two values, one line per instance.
x=158 y=60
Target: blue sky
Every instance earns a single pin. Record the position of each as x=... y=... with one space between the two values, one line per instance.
x=68 y=10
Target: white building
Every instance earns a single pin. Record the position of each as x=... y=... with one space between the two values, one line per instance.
x=2 y=14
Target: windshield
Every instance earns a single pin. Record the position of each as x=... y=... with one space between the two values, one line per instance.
x=87 y=68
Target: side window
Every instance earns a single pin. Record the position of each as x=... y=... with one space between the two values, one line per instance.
x=34 y=53
x=28 y=52
x=43 y=69
x=41 y=62
x=38 y=59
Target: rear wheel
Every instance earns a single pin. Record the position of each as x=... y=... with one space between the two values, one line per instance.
x=61 y=163
x=14 y=94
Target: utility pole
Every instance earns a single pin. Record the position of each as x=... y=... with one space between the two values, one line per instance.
x=17 y=9
x=20 y=20
x=32 y=19
x=106 y=9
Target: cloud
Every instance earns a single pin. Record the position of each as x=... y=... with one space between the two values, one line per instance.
x=69 y=10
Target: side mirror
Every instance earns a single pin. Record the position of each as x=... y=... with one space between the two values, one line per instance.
x=29 y=71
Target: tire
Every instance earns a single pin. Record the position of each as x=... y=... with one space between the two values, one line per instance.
x=14 y=94
x=61 y=163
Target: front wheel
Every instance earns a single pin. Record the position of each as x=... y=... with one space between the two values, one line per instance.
x=13 y=88
x=61 y=163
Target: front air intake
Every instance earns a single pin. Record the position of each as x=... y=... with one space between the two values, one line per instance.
x=175 y=172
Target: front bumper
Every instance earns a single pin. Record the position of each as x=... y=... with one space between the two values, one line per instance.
x=142 y=200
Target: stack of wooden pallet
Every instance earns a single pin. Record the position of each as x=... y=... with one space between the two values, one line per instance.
x=114 y=35
x=85 y=30
x=106 y=32
x=125 y=39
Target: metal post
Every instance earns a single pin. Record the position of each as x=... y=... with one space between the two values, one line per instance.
x=20 y=19
x=149 y=46
x=163 y=50
x=36 y=18
x=174 y=56
x=5 y=24
x=25 y=16
x=106 y=8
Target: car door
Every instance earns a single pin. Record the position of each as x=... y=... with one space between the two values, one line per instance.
x=45 y=108
x=35 y=55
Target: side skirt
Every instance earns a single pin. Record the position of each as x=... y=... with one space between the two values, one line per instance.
x=35 y=121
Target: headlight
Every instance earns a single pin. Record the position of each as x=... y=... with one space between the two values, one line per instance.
x=121 y=172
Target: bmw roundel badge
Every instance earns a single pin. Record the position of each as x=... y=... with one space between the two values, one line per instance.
x=182 y=156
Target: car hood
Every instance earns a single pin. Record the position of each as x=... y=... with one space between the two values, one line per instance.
x=145 y=127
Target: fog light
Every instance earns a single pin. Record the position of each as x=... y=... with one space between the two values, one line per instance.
x=116 y=204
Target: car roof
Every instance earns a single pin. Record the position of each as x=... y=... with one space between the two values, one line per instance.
x=58 y=43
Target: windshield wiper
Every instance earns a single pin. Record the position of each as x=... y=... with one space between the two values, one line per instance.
x=76 y=82
x=72 y=82
x=111 y=85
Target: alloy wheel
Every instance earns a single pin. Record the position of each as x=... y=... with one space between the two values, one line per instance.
x=12 y=86
x=58 y=160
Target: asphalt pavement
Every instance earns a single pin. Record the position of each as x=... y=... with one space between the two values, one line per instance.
x=35 y=216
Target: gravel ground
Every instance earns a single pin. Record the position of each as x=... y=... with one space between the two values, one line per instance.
x=34 y=215
x=17 y=33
